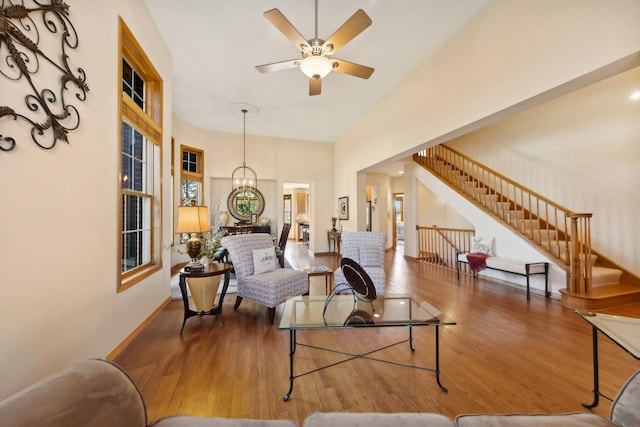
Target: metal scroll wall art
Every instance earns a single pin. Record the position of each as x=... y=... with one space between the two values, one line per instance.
x=26 y=31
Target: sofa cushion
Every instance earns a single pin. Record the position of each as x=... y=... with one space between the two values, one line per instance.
x=187 y=421
x=375 y=419
x=572 y=419
x=625 y=409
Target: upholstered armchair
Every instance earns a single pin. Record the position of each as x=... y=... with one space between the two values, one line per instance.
x=258 y=273
x=367 y=249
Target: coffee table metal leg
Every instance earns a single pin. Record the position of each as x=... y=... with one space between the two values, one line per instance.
x=596 y=386
x=443 y=388
x=411 y=339
x=292 y=350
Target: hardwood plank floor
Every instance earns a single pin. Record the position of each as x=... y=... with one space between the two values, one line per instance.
x=505 y=354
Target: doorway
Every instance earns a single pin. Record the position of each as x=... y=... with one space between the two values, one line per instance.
x=296 y=208
x=398 y=223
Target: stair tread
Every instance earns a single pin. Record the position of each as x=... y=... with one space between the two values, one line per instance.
x=608 y=291
x=604 y=276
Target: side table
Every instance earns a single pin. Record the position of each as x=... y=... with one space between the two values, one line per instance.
x=328 y=277
x=206 y=292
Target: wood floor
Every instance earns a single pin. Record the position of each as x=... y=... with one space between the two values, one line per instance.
x=505 y=354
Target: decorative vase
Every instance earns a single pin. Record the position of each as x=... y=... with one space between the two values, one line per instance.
x=265 y=221
x=223 y=218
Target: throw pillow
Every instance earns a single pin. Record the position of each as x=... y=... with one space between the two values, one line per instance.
x=481 y=245
x=371 y=256
x=264 y=260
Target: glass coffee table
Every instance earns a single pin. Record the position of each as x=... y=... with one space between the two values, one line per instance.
x=346 y=311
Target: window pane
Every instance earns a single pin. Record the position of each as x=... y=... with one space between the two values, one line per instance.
x=127 y=78
x=190 y=191
x=127 y=168
x=136 y=242
x=127 y=138
x=132 y=83
x=189 y=161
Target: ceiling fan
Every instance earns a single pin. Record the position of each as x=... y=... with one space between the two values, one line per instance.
x=317 y=55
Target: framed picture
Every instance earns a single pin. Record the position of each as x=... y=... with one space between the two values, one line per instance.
x=254 y=218
x=343 y=207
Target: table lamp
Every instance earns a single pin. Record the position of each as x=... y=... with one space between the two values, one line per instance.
x=193 y=219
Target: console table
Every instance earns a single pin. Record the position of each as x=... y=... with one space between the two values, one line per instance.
x=204 y=294
x=335 y=236
x=242 y=229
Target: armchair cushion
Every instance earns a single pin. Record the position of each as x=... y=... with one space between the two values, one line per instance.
x=260 y=287
x=371 y=255
x=264 y=260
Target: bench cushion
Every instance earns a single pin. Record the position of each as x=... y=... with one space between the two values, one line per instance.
x=508 y=264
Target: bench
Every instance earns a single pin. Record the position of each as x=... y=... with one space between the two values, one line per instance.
x=514 y=266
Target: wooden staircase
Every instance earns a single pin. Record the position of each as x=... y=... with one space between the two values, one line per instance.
x=593 y=282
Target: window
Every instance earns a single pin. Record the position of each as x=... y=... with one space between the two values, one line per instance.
x=191 y=175
x=140 y=201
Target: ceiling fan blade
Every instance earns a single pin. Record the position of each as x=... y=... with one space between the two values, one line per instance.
x=281 y=23
x=315 y=85
x=277 y=66
x=350 y=68
x=358 y=22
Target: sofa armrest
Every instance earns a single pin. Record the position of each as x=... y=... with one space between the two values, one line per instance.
x=91 y=393
x=625 y=409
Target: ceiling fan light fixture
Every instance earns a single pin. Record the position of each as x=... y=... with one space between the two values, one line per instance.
x=316 y=67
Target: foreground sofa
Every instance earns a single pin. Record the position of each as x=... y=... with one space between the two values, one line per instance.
x=98 y=393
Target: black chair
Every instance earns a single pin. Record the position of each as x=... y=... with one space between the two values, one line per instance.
x=282 y=243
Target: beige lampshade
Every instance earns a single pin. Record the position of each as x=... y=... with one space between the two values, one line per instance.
x=193 y=219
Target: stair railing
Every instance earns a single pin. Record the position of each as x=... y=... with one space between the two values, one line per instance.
x=563 y=234
x=440 y=246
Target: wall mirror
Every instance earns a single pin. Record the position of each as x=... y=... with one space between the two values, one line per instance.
x=244 y=202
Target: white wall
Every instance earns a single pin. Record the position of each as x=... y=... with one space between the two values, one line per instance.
x=434 y=210
x=58 y=299
x=500 y=62
x=276 y=161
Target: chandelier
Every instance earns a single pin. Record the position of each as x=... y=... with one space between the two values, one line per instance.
x=244 y=179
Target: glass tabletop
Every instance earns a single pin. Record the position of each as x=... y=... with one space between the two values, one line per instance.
x=624 y=331
x=345 y=311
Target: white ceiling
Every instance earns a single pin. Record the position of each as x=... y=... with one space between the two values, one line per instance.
x=216 y=45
